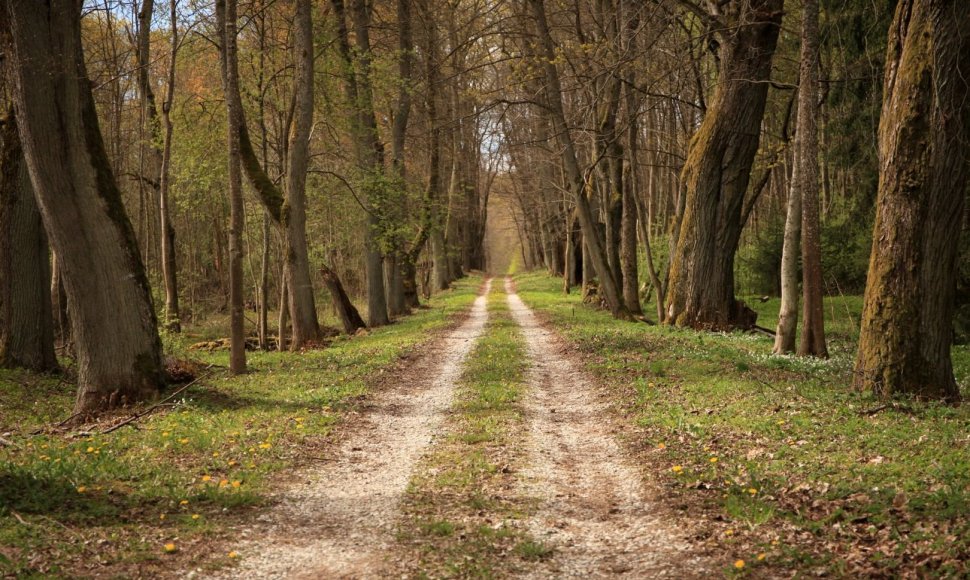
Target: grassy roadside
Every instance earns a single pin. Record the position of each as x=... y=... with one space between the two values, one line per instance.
x=460 y=513
x=161 y=496
x=779 y=464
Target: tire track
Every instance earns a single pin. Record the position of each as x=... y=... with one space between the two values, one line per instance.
x=340 y=524
x=592 y=507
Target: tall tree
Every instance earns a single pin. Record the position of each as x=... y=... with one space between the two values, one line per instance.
x=718 y=167
x=169 y=264
x=578 y=184
x=813 y=319
x=924 y=131
x=396 y=257
x=26 y=318
x=119 y=353
x=288 y=214
x=293 y=213
x=786 y=331
x=226 y=23
x=369 y=149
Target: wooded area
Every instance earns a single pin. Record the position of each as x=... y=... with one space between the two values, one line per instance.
x=275 y=191
x=670 y=150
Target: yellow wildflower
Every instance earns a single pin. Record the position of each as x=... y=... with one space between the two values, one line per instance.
x=739 y=564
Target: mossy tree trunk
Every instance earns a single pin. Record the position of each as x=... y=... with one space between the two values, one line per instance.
x=119 y=354
x=718 y=169
x=26 y=318
x=907 y=332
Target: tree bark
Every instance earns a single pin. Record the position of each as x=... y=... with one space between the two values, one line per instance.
x=904 y=346
x=58 y=296
x=226 y=19
x=306 y=326
x=628 y=221
x=785 y=333
x=812 y=341
x=717 y=171
x=119 y=354
x=26 y=318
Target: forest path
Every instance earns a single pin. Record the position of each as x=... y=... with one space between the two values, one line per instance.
x=340 y=522
x=594 y=510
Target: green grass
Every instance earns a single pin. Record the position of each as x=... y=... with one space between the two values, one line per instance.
x=74 y=503
x=460 y=517
x=775 y=454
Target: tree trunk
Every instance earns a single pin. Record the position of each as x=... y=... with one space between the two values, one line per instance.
x=577 y=183
x=119 y=354
x=306 y=326
x=813 y=324
x=169 y=265
x=788 y=311
x=26 y=319
x=263 y=322
x=284 y=315
x=628 y=220
x=226 y=19
x=368 y=148
x=717 y=171
x=288 y=214
x=907 y=332
x=62 y=320
x=349 y=317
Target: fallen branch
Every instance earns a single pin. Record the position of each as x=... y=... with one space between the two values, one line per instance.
x=763 y=330
x=884 y=406
x=161 y=403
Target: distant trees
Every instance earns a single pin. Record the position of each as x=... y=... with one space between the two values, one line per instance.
x=907 y=321
x=644 y=148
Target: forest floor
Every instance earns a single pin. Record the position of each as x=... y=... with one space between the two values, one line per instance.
x=497 y=434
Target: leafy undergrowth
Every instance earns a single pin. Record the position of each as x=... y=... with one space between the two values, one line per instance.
x=781 y=464
x=461 y=513
x=160 y=495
